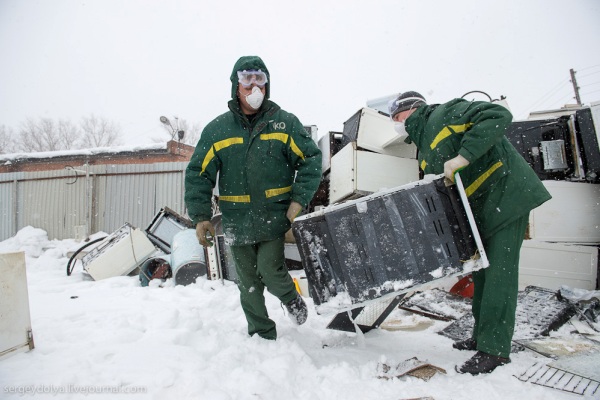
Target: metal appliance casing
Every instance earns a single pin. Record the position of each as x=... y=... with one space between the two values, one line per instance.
x=15 y=321
x=118 y=254
x=188 y=260
x=373 y=130
x=385 y=243
x=552 y=265
x=163 y=228
x=572 y=215
x=356 y=173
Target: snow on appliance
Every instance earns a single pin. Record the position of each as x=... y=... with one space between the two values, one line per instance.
x=385 y=244
x=183 y=259
x=167 y=248
x=15 y=322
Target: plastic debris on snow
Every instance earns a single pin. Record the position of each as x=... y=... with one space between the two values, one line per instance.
x=412 y=367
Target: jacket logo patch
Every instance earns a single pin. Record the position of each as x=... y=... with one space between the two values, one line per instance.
x=279 y=125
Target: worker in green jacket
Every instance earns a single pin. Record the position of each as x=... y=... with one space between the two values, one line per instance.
x=268 y=170
x=502 y=189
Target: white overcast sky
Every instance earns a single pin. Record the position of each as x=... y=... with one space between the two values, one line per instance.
x=132 y=61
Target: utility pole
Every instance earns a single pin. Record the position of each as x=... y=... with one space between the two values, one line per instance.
x=575 y=87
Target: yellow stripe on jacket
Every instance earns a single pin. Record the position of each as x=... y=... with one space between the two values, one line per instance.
x=447 y=131
x=482 y=178
x=218 y=146
x=277 y=192
x=283 y=137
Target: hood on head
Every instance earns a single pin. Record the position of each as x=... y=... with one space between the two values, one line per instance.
x=246 y=63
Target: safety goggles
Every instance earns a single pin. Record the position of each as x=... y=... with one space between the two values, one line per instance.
x=246 y=78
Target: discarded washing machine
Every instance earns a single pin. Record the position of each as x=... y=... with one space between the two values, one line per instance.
x=157 y=267
x=118 y=254
x=185 y=264
x=188 y=261
x=386 y=244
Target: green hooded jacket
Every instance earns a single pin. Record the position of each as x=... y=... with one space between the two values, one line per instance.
x=261 y=166
x=500 y=185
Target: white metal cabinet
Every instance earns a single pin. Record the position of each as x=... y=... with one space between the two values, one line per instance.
x=356 y=173
x=15 y=320
x=118 y=254
x=551 y=265
x=376 y=133
x=572 y=215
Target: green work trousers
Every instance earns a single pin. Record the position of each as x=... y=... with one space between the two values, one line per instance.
x=259 y=265
x=496 y=289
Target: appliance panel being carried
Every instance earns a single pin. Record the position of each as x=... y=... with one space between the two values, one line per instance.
x=384 y=244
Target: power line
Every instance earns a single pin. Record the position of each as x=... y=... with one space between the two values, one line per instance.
x=584 y=85
x=564 y=100
x=547 y=98
x=591 y=73
x=586 y=68
x=593 y=91
x=550 y=93
x=557 y=96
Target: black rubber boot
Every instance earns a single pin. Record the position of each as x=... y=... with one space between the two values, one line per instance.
x=482 y=363
x=467 y=344
x=297 y=310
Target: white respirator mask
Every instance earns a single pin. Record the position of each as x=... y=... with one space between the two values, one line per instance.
x=255 y=98
x=400 y=130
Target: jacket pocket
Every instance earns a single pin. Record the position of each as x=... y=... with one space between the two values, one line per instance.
x=281 y=202
x=229 y=203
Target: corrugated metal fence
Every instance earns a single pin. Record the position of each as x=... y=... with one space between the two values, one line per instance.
x=86 y=199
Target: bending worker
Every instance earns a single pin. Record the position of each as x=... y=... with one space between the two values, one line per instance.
x=502 y=189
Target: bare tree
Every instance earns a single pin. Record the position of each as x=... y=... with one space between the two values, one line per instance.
x=99 y=132
x=8 y=143
x=44 y=134
x=38 y=135
x=69 y=134
x=192 y=134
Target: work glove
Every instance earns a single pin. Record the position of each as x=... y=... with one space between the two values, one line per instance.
x=289 y=237
x=205 y=233
x=293 y=211
x=454 y=165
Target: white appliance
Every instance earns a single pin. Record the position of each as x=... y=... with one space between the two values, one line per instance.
x=356 y=173
x=572 y=215
x=118 y=254
x=551 y=265
x=374 y=131
x=15 y=322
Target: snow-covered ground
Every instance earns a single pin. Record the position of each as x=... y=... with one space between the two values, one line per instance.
x=190 y=342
